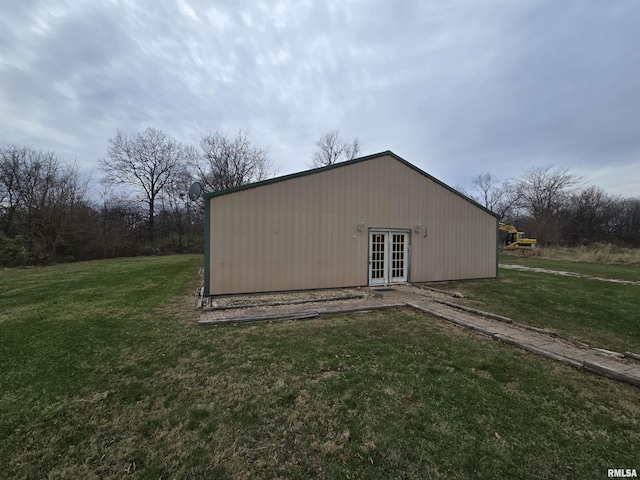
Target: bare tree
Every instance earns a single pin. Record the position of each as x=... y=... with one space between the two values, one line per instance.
x=487 y=186
x=55 y=195
x=545 y=193
x=119 y=221
x=14 y=172
x=147 y=161
x=40 y=199
x=500 y=198
x=553 y=205
x=592 y=215
x=178 y=210
x=626 y=222
x=332 y=148
x=222 y=162
x=546 y=189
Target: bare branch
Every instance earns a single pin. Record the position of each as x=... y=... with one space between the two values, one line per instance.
x=333 y=149
x=146 y=161
x=223 y=162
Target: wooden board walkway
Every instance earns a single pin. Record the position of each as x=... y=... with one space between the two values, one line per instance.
x=577 y=355
x=620 y=366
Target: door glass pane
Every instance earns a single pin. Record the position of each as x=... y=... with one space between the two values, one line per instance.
x=377 y=256
x=398 y=249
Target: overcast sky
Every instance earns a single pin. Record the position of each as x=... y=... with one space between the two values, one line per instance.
x=457 y=88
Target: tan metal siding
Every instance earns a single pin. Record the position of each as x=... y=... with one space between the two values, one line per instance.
x=301 y=233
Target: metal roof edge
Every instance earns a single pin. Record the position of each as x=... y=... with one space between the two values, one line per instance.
x=290 y=176
x=313 y=171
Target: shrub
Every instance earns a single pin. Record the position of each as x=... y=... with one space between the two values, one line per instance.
x=12 y=251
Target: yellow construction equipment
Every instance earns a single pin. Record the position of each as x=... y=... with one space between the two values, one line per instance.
x=516 y=240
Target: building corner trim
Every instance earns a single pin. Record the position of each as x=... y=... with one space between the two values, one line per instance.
x=207 y=246
x=497 y=246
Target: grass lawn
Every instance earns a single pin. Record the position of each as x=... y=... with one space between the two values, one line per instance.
x=102 y=372
x=622 y=272
x=602 y=314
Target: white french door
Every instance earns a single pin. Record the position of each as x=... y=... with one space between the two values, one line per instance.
x=378 y=262
x=388 y=257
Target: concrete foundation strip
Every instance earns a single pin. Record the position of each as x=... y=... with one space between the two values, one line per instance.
x=277 y=304
x=437 y=290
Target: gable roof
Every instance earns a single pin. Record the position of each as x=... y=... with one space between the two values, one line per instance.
x=313 y=171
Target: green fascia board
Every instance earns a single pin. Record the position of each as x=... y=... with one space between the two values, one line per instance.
x=207 y=246
x=497 y=246
x=313 y=171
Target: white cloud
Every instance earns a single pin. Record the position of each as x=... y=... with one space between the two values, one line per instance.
x=457 y=88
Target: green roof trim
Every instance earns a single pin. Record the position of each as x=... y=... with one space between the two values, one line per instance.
x=313 y=171
x=497 y=246
x=207 y=247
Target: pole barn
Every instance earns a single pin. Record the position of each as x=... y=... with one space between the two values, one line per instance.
x=374 y=220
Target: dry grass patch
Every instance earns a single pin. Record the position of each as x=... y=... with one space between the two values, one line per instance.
x=604 y=253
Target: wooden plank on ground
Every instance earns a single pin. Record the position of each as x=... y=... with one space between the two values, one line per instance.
x=635 y=356
x=609 y=372
x=539 y=351
x=281 y=303
x=200 y=296
x=609 y=353
x=294 y=315
x=257 y=318
x=451 y=319
x=474 y=310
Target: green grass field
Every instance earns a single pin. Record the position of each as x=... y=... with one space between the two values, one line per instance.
x=622 y=272
x=104 y=375
x=602 y=314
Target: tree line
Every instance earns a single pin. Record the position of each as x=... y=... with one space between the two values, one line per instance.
x=554 y=206
x=47 y=214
